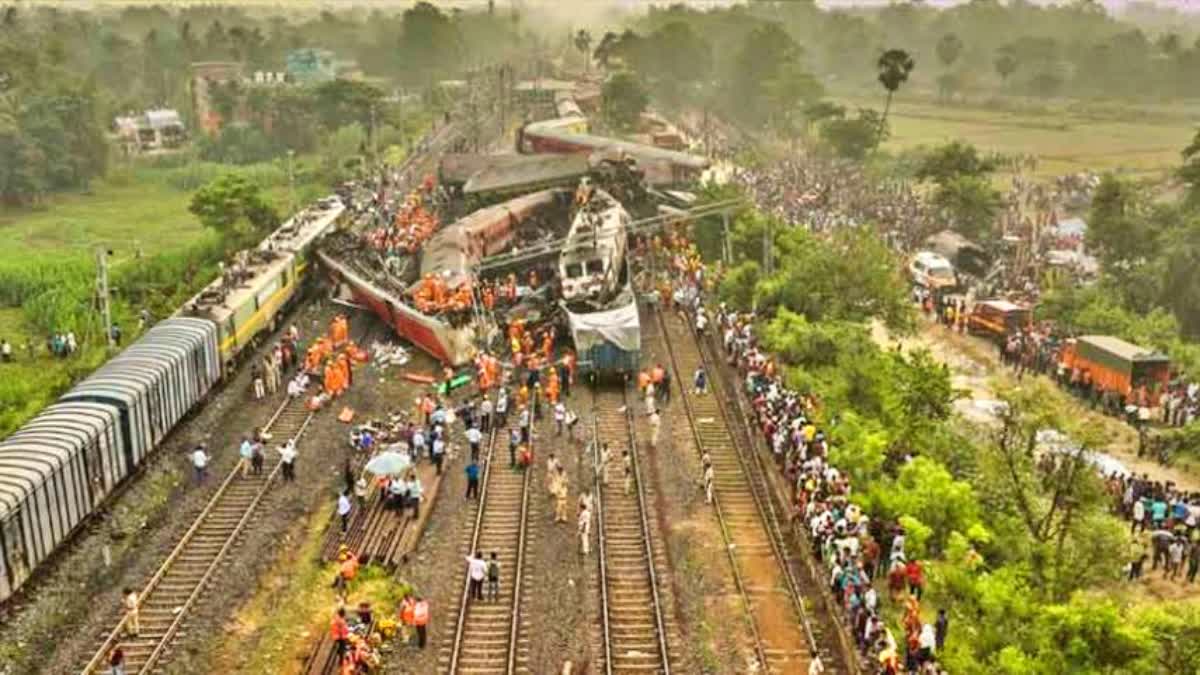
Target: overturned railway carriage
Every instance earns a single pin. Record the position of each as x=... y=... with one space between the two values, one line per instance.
x=453 y=253
x=60 y=466
x=563 y=135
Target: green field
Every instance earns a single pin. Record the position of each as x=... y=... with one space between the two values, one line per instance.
x=1139 y=142
x=148 y=214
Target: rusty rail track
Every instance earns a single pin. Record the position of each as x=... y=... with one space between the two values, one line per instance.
x=781 y=637
x=486 y=634
x=165 y=601
x=633 y=625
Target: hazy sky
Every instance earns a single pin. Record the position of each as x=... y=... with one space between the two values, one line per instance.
x=1186 y=5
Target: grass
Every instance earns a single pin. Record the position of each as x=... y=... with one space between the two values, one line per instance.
x=1066 y=140
x=281 y=624
x=146 y=214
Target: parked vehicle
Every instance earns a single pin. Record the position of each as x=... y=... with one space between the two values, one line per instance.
x=932 y=271
x=1118 y=366
x=998 y=319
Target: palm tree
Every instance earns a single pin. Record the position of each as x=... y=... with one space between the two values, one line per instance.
x=894 y=67
x=583 y=42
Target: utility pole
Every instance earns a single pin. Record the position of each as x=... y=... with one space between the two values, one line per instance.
x=291 y=154
x=768 y=259
x=374 y=147
x=102 y=254
x=726 y=248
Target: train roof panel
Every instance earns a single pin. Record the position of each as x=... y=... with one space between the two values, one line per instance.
x=613 y=144
x=529 y=171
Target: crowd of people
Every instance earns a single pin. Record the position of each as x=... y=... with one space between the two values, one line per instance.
x=824 y=194
x=1165 y=520
x=857 y=551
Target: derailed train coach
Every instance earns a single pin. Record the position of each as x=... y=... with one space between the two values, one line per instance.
x=61 y=465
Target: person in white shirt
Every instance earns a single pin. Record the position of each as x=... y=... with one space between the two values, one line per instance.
x=476 y=571
x=287 y=455
x=200 y=463
x=560 y=417
x=343 y=511
x=655 y=425
x=295 y=389
x=474 y=437
x=485 y=415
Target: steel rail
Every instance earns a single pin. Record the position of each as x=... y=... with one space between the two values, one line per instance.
x=759 y=649
x=477 y=530
x=756 y=473
x=644 y=522
x=114 y=637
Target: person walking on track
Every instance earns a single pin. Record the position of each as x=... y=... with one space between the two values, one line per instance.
x=584 y=525
x=246 y=452
x=493 y=577
x=476 y=573
x=343 y=511
x=130 y=601
x=605 y=460
x=474 y=438
x=472 y=472
x=655 y=425
x=561 y=491
x=421 y=620
x=287 y=456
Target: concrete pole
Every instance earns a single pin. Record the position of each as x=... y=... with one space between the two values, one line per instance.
x=102 y=290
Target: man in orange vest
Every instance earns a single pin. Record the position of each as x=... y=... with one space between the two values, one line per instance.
x=421 y=620
x=407 y=609
x=339 y=631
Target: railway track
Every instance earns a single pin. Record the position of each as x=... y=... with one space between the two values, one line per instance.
x=165 y=601
x=634 y=627
x=486 y=636
x=780 y=634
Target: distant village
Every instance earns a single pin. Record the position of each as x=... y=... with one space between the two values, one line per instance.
x=159 y=129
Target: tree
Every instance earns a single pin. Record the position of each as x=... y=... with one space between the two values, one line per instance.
x=1046 y=84
x=971 y=204
x=1190 y=171
x=1117 y=232
x=583 y=43
x=1006 y=64
x=624 y=100
x=952 y=160
x=769 y=61
x=894 y=67
x=430 y=44
x=854 y=138
x=233 y=207
x=604 y=50
x=949 y=48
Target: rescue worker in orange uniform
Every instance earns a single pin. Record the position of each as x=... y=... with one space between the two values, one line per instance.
x=407 y=607
x=548 y=345
x=421 y=620
x=552 y=387
x=339 y=631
